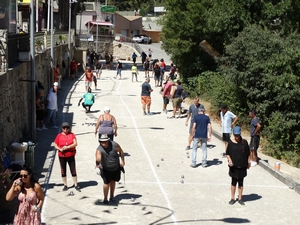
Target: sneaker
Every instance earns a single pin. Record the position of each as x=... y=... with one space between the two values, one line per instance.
x=150 y=113
x=231 y=202
x=253 y=163
x=145 y=113
x=39 y=128
x=193 y=165
x=223 y=155
x=44 y=128
x=241 y=202
x=65 y=188
x=172 y=117
x=188 y=147
x=105 y=202
x=77 y=188
x=204 y=165
x=55 y=127
x=112 y=199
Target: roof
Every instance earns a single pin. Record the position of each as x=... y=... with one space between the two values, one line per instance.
x=131 y=18
x=99 y=23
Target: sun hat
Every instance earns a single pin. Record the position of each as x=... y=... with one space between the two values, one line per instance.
x=65 y=124
x=106 y=109
x=55 y=84
x=104 y=137
x=237 y=130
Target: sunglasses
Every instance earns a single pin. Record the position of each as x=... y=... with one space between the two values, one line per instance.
x=24 y=175
x=65 y=127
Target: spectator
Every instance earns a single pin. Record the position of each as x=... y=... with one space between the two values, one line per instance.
x=52 y=106
x=176 y=98
x=255 y=138
x=56 y=73
x=30 y=196
x=88 y=79
x=146 y=96
x=73 y=68
x=107 y=61
x=119 y=68
x=166 y=94
x=146 y=66
x=40 y=110
x=65 y=143
x=98 y=68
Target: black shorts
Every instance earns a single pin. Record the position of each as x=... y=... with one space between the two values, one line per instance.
x=226 y=137
x=254 y=142
x=166 y=100
x=108 y=176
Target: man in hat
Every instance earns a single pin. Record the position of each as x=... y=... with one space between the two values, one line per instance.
x=89 y=100
x=108 y=156
x=202 y=133
x=52 y=105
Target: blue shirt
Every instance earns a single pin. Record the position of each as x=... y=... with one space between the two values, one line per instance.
x=88 y=98
x=201 y=122
x=253 y=125
x=226 y=121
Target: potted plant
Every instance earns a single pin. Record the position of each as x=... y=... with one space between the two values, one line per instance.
x=39 y=46
x=62 y=38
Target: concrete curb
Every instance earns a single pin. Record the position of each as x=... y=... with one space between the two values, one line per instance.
x=277 y=174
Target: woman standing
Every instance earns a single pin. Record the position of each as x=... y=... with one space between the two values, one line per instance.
x=238 y=155
x=65 y=143
x=30 y=196
x=106 y=124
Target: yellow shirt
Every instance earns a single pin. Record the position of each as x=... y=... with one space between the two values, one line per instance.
x=133 y=69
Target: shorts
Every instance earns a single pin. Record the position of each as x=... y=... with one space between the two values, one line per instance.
x=166 y=100
x=146 y=100
x=254 y=142
x=226 y=137
x=108 y=176
x=99 y=71
x=176 y=102
x=119 y=72
x=88 y=83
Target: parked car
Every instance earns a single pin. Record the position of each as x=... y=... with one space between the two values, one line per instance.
x=142 y=38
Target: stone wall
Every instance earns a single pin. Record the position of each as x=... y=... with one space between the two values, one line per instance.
x=15 y=95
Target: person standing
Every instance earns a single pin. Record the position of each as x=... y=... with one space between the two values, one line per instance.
x=52 y=105
x=146 y=96
x=89 y=100
x=40 y=110
x=73 y=68
x=238 y=156
x=228 y=120
x=30 y=196
x=150 y=53
x=107 y=124
x=193 y=111
x=146 y=66
x=163 y=69
x=201 y=131
x=176 y=98
x=119 y=68
x=134 y=57
x=255 y=138
x=107 y=61
x=157 y=74
x=134 y=72
x=65 y=143
x=56 y=72
x=143 y=56
x=88 y=79
x=98 y=67
x=108 y=156
x=166 y=94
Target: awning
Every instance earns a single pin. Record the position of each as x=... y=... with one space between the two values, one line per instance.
x=99 y=23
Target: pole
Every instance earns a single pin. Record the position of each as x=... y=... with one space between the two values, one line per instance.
x=97 y=29
x=32 y=73
x=37 y=15
x=17 y=18
x=48 y=15
x=69 y=39
x=52 y=40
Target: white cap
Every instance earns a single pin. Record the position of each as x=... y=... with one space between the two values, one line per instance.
x=55 y=84
x=106 y=109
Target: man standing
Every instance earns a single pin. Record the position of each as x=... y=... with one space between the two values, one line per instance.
x=107 y=160
x=88 y=79
x=193 y=111
x=202 y=133
x=52 y=105
x=166 y=95
x=228 y=119
x=146 y=96
x=89 y=100
x=255 y=138
x=119 y=69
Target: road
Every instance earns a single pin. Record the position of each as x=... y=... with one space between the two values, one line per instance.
x=158 y=53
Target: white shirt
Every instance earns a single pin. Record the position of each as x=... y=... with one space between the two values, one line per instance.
x=226 y=121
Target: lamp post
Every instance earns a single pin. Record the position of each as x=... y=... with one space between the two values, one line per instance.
x=69 y=35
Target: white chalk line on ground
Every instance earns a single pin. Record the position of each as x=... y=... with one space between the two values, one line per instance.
x=147 y=155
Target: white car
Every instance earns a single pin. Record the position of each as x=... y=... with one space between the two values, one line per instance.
x=142 y=38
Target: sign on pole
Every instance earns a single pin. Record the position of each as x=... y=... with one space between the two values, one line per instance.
x=108 y=9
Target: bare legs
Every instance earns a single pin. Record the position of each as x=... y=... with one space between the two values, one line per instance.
x=106 y=187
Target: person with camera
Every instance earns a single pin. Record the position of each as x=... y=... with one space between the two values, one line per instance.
x=30 y=196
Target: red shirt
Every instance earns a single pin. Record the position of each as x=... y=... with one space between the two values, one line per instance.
x=73 y=65
x=65 y=140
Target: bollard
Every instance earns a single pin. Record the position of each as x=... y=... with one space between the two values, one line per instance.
x=277 y=166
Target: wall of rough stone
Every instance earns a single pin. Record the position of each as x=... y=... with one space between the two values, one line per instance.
x=15 y=95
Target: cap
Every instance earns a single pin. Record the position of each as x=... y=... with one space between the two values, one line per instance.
x=201 y=109
x=65 y=124
x=55 y=84
x=104 y=137
x=237 y=130
x=106 y=109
